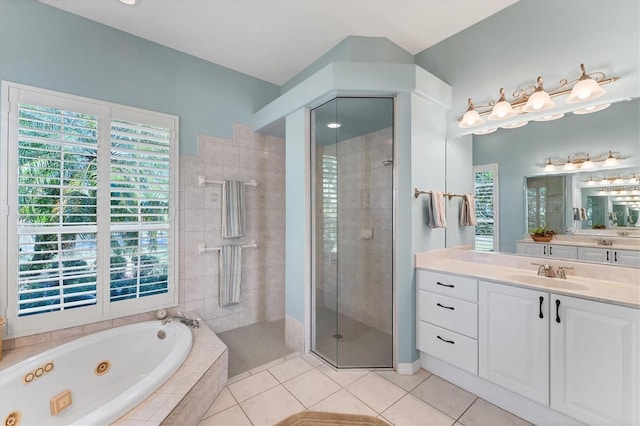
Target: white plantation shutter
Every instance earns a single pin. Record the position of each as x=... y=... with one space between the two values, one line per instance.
x=91 y=222
x=57 y=185
x=486 y=197
x=330 y=202
x=140 y=202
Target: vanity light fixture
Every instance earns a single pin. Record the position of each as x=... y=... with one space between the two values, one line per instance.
x=549 y=167
x=129 y=2
x=611 y=161
x=471 y=118
x=611 y=180
x=539 y=100
x=534 y=98
x=502 y=109
x=584 y=162
x=585 y=89
x=334 y=125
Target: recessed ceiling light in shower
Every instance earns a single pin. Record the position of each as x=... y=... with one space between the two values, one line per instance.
x=334 y=125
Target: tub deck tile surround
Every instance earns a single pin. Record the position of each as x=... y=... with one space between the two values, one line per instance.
x=182 y=400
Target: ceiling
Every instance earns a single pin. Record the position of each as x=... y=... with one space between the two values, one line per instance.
x=274 y=40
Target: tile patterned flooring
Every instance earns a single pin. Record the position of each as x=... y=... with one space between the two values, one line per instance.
x=271 y=392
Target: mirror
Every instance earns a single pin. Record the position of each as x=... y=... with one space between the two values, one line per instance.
x=521 y=153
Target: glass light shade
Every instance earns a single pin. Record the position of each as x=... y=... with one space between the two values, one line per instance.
x=539 y=101
x=611 y=161
x=585 y=90
x=550 y=117
x=501 y=111
x=515 y=125
x=471 y=118
x=588 y=165
x=591 y=182
x=549 y=168
x=568 y=166
x=334 y=125
x=485 y=131
x=589 y=110
x=617 y=181
x=129 y=2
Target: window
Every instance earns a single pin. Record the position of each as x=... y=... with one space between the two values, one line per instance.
x=90 y=189
x=330 y=203
x=486 y=196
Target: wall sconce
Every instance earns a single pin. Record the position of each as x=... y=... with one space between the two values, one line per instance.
x=534 y=98
x=582 y=162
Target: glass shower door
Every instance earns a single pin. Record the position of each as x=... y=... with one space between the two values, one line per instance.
x=352 y=204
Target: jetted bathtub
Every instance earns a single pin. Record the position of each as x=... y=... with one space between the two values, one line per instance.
x=95 y=379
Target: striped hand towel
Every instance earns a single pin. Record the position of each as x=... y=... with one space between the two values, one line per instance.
x=233 y=209
x=230 y=271
x=468 y=211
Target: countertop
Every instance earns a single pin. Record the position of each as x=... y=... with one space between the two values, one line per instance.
x=619 y=243
x=612 y=284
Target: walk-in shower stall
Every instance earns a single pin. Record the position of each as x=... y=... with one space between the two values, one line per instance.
x=352 y=231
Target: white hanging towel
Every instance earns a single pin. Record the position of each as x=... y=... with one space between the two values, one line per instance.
x=468 y=211
x=230 y=271
x=437 y=218
x=233 y=209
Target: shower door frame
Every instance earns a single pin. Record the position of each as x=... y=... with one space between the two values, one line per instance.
x=313 y=223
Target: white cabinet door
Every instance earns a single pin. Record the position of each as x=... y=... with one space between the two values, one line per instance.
x=595 y=357
x=591 y=254
x=627 y=257
x=562 y=252
x=531 y=249
x=513 y=339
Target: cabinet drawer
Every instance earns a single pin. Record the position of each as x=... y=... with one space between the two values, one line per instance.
x=452 y=314
x=448 y=346
x=448 y=285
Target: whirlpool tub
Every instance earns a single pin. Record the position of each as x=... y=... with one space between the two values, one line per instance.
x=94 y=379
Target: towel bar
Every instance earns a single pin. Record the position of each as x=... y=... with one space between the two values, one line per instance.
x=202 y=181
x=202 y=248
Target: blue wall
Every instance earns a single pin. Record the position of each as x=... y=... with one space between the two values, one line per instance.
x=45 y=47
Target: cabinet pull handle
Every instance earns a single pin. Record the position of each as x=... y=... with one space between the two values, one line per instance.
x=446 y=307
x=445 y=340
x=558 y=311
x=544 y=250
x=445 y=285
x=550 y=254
x=607 y=255
x=615 y=256
x=541 y=300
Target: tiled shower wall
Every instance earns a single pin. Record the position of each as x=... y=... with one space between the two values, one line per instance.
x=248 y=156
x=363 y=266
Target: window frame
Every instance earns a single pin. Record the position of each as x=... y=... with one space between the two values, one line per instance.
x=17 y=326
x=493 y=168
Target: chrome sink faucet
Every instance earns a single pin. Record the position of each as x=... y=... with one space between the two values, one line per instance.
x=545 y=270
x=191 y=323
x=561 y=272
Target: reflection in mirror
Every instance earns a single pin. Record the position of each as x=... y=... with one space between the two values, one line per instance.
x=545 y=197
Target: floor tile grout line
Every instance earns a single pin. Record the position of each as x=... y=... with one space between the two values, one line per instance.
x=467 y=409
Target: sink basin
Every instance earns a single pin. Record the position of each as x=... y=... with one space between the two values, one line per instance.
x=558 y=283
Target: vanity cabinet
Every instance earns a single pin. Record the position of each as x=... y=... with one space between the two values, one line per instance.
x=557 y=251
x=595 y=361
x=513 y=339
x=448 y=318
x=608 y=255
